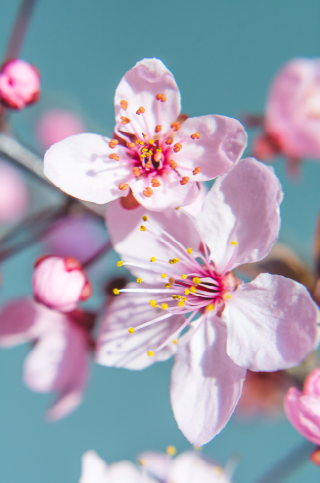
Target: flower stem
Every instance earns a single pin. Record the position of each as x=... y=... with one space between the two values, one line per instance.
x=99 y=253
x=288 y=465
x=19 y=29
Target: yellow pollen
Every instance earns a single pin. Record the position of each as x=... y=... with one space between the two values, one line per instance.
x=180 y=303
x=139 y=280
x=189 y=251
x=193 y=289
x=163 y=275
x=184 y=276
x=174 y=260
x=142 y=462
x=120 y=263
x=150 y=353
x=227 y=296
x=144 y=135
x=197 y=448
x=179 y=297
x=153 y=303
x=141 y=142
x=174 y=297
x=153 y=259
x=142 y=228
x=131 y=330
x=159 y=150
x=210 y=307
x=175 y=341
x=142 y=156
x=196 y=280
x=187 y=291
x=144 y=150
x=234 y=243
x=171 y=450
x=116 y=291
x=145 y=218
x=168 y=285
x=164 y=306
x=184 y=299
x=151 y=141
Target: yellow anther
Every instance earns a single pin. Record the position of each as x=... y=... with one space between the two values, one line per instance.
x=142 y=156
x=119 y=263
x=193 y=289
x=179 y=297
x=139 y=280
x=142 y=143
x=184 y=276
x=142 y=228
x=142 y=462
x=167 y=285
x=234 y=243
x=180 y=303
x=116 y=291
x=197 y=448
x=163 y=275
x=175 y=341
x=171 y=450
x=227 y=296
x=189 y=251
x=184 y=299
x=145 y=218
x=159 y=150
x=131 y=330
x=153 y=303
x=144 y=150
x=151 y=141
x=164 y=306
x=174 y=297
x=175 y=260
x=196 y=280
x=187 y=291
x=210 y=307
x=150 y=353
x=144 y=135
x=153 y=259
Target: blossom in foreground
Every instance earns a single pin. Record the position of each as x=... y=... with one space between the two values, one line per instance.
x=292 y=118
x=152 y=154
x=19 y=84
x=13 y=194
x=60 y=331
x=57 y=124
x=303 y=408
x=185 y=280
x=188 y=467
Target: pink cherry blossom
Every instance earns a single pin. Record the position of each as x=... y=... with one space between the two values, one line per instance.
x=13 y=194
x=303 y=408
x=57 y=124
x=152 y=154
x=60 y=283
x=185 y=267
x=19 y=84
x=59 y=359
x=188 y=467
x=292 y=119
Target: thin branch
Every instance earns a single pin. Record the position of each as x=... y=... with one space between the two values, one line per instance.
x=19 y=29
x=98 y=254
x=288 y=465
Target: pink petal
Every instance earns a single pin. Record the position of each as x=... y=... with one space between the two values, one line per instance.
x=134 y=245
x=18 y=322
x=242 y=206
x=156 y=464
x=171 y=194
x=220 y=146
x=126 y=472
x=272 y=323
x=13 y=194
x=303 y=413
x=94 y=469
x=139 y=87
x=195 y=207
x=58 y=362
x=311 y=385
x=293 y=108
x=80 y=166
x=190 y=467
x=117 y=347
x=206 y=384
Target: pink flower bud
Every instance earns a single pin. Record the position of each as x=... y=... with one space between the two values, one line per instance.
x=57 y=124
x=60 y=283
x=19 y=84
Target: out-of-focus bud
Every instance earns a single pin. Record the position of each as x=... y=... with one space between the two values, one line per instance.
x=293 y=109
x=57 y=124
x=13 y=194
x=19 y=84
x=60 y=283
x=315 y=457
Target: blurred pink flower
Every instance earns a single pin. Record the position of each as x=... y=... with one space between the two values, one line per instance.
x=13 y=193
x=57 y=124
x=62 y=341
x=155 y=156
x=60 y=283
x=19 y=84
x=303 y=408
x=188 y=467
x=265 y=325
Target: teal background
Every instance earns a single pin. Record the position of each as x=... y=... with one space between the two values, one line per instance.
x=223 y=54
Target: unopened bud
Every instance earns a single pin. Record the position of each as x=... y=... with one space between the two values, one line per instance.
x=19 y=84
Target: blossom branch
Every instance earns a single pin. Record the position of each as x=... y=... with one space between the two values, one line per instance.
x=19 y=29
